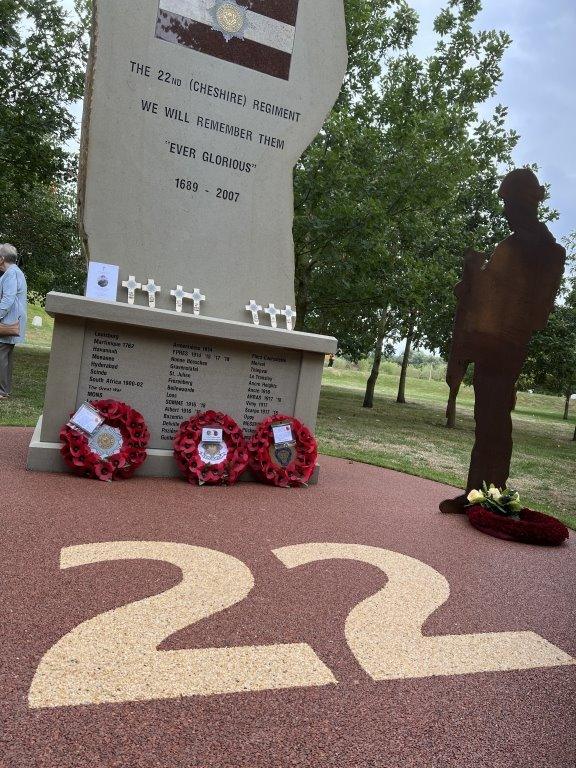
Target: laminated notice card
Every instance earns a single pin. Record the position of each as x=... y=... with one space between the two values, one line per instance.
x=87 y=419
x=102 y=281
x=282 y=434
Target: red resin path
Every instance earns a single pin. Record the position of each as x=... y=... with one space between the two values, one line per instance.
x=514 y=719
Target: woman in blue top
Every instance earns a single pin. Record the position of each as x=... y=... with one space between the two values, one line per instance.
x=13 y=311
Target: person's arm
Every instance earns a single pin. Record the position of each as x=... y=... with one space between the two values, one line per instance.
x=9 y=292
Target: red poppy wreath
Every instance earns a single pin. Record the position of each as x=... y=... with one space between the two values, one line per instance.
x=115 y=450
x=531 y=527
x=288 y=463
x=205 y=456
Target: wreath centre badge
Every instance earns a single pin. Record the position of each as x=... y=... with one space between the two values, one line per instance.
x=212 y=449
x=106 y=441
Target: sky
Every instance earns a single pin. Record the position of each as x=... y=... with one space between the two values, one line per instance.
x=537 y=87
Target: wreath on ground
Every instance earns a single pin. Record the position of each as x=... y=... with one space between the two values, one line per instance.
x=531 y=528
x=211 y=463
x=500 y=513
x=115 y=450
x=286 y=465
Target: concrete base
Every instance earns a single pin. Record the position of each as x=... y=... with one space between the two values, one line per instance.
x=44 y=456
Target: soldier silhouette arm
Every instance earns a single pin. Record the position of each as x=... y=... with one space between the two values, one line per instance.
x=459 y=359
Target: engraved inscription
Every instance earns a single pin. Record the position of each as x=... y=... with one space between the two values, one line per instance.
x=171 y=378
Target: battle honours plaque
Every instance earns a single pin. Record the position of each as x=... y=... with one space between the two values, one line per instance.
x=195 y=114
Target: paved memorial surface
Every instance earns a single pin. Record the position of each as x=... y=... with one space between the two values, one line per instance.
x=263 y=593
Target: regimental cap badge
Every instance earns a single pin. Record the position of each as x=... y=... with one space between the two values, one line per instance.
x=106 y=441
x=229 y=18
x=284 y=455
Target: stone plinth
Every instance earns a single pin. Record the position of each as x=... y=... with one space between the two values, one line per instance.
x=169 y=366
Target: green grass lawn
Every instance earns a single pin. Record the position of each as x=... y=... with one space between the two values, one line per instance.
x=39 y=337
x=24 y=407
x=411 y=438
x=30 y=369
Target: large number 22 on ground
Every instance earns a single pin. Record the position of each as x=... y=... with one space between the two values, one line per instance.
x=113 y=657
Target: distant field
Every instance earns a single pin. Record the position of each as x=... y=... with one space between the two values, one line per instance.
x=411 y=438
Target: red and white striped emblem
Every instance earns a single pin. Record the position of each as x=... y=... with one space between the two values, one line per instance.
x=258 y=34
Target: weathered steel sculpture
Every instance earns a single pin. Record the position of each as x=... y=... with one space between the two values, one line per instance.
x=502 y=301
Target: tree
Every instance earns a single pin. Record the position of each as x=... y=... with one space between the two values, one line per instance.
x=551 y=363
x=334 y=182
x=45 y=230
x=42 y=55
x=384 y=195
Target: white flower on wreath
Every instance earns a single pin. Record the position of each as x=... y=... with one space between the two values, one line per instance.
x=475 y=497
x=494 y=493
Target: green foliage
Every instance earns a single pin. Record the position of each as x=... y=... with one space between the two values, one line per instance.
x=401 y=180
x=41 y=73
x=42 y=224
x=551 y=363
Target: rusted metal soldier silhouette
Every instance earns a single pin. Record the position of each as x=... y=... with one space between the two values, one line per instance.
x=501 y=303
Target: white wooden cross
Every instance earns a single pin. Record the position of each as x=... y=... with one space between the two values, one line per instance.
x=131 y=286
x=254 y=307
x=197 y=297
x=180 y=294
x=151 y=289
x=273 y=312
x=289 y=314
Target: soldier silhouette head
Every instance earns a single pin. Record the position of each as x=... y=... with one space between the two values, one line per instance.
x=522 y=193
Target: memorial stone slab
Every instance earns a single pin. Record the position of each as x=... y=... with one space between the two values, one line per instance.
x=169 y=365
x=195 y=114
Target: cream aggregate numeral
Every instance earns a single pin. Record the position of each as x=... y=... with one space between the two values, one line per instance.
x=384 y=632
x=113 y=657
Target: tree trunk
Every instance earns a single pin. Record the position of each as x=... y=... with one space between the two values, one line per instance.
x=373 y=378
x=301 y=305
x=567 y=405
x=515 y=397
x=405 y=361
x=302 y=274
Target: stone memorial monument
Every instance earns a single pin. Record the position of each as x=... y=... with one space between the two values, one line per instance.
x=195 y=114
